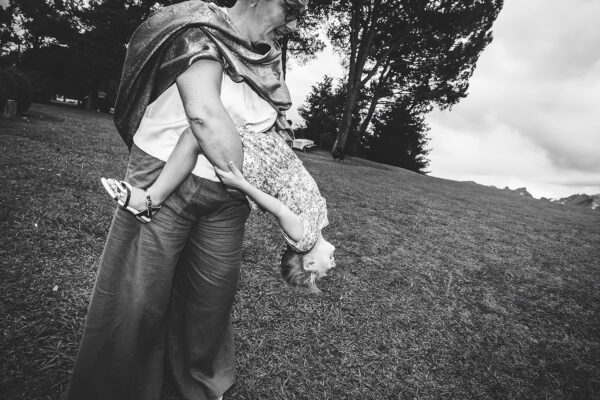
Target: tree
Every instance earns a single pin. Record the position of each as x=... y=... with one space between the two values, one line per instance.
x=8 y=37
x=82 y=44
x=399 y=139
x=57 y=70
x=435 y=42
x=303 y=44
x=322 y=113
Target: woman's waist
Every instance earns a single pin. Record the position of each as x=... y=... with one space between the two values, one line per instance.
x=162 y=145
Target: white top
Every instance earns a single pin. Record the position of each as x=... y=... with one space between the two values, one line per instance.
x=165 y=120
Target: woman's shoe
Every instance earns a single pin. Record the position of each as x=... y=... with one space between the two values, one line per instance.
x=124 y=190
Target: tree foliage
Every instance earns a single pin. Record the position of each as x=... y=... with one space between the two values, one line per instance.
x=8 y=37
x=83 y=44
x=323 y=112
x=57 y=70
x=305 y=43
x=73 y=48
x=422 y=50
x=399 y=138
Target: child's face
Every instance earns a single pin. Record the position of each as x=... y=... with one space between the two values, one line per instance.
x=320 y=258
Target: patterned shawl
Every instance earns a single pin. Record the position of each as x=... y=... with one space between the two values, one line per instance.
x=164 y=46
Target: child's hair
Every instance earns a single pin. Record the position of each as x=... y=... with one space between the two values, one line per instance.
x=293 y=272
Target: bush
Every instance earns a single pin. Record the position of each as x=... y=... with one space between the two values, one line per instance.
x=24 y=91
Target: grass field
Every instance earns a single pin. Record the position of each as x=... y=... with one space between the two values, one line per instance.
x=443 y=290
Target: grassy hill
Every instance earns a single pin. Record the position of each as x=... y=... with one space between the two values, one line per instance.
x=443 y=290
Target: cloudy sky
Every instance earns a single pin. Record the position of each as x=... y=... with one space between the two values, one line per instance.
x=532 y=116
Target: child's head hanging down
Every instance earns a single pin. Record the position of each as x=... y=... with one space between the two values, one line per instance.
x=304 y=269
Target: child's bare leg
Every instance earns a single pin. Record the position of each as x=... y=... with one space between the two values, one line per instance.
x=180 y=164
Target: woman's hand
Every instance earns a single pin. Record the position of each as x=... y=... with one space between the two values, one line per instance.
x=233 y=177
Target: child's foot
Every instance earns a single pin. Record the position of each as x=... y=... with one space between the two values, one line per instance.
x=131 y=198
x=137 y=197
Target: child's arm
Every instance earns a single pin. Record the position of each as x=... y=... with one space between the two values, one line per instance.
x=180 y=164
x=289 y=222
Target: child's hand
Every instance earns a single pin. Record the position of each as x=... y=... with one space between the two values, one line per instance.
x=233 y=178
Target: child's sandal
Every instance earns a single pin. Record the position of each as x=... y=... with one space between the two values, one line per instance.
x=143 y=216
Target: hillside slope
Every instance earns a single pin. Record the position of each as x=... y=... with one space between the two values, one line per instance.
x=581 y=200
x=442 y=289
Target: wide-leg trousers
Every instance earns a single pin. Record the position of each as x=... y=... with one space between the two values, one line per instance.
x=163 y=296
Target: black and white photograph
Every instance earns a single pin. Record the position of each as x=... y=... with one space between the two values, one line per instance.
x=299 y=199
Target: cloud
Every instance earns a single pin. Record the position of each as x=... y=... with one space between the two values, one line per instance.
x=531 y=113
x=530 y=118
x=301 y=78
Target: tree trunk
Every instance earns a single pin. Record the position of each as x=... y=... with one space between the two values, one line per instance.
x=374 y=101
x=340 y=142
x=360 y=46
x=92 y=100
x=365 y=124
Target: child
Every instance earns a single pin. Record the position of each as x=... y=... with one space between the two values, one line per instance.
x=274 y=179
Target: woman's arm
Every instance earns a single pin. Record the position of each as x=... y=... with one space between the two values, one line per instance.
x=200 y=90
x=288 y=220
x=180 y=164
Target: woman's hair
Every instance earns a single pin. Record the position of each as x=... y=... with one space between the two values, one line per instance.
x=293 y=272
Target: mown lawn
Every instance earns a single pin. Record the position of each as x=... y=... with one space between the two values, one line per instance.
x=443 y=290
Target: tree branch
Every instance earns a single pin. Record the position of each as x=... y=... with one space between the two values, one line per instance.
x=397 y=41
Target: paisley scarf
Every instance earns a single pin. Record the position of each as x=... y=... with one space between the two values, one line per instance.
x=171 y=39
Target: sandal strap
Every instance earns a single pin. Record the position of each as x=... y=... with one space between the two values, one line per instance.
x=147 y=213
x=148 y=204
x=153 y=210
x=127 y=188
x=149 y=208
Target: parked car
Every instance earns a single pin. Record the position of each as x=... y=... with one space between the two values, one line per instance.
x=303 y=144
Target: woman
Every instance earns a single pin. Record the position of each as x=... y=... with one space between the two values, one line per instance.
x=164 y=290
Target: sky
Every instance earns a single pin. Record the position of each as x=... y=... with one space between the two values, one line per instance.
x=532 y=115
